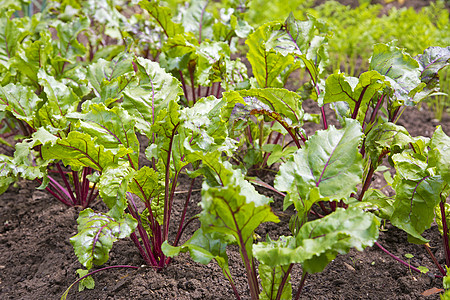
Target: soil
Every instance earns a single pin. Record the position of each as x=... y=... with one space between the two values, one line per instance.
x=37 y=260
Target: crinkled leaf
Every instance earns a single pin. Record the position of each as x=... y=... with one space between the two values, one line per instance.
x=198 y=21
x=203 y=247
x=267 y=63
x=112 y=129
x=440 y=145
x=431 y=61
x=205 y=125
x=156 y=90
x=60 y=101
x=80 y=150
x=22 y=102
x=414 y=204
x=272 y=275
x=386 y=138
x=163 y=16
x=275 y=101
x=33 y=55
x=112 y=187
x=377 y=202
x=235 y=208
x=68 y=44
x=328 y=168
x=306 y=40
x=319 y=242
x=96 y=234
x=356 y=92
x=147 y=185
x=110 y=78
x=211 y=63
x=400 y=70
x=12 y=31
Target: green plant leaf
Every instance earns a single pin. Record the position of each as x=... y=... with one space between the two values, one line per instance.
x=112 y=187
x=386 y=138
x=319 y=242
x=60 y=101
x=400 y=70
x=96 y=234
x=22 y=102
x=203 y=247
x=271 y=275
x=79 y=150
x=33 y=55
x=356 y=92
x=110 y=78
x=431 y=61
x=275 y=101
x=414 y=204
x=198 y=21
x=235 y=208
x=163 y=16
x=267 y=63
x=440 y=145
x=147 y=185
x=156 y=90
x=305 y=39
x=68 y=44
x=12 y=31
x=112 y=128
x=328 y=168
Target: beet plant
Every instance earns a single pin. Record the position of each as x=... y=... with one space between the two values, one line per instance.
x=322 y=176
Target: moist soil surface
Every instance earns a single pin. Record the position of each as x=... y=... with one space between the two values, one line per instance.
x=37 y=260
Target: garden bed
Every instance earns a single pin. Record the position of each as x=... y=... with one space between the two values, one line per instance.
x=37 y=260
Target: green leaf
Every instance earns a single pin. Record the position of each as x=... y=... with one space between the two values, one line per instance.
x=319 y=242
x=79 y=150
x=355 y=92
x=211 y=63
x=440 y=145
x=147 y=185
x=163 y=16
x=110 y=78
x=156 y=90
x=112 y=128
x=206 y=125
x=400 y=70
x=112 y=187
x=275 y=101
x=203 y=247
x=96 y=234
x=60 y=101
x=431 y=61
x=22 y=102
x=12 y=32
x=267 y=63
x=33 y=55
x=414 y=205
x=271 y=276
x=305 y=39
x=68 y=44
x=235 y=208
x=198 y=21
x=386 y=138
x=87 y=282
x=328 y=168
